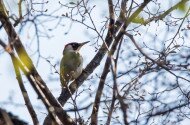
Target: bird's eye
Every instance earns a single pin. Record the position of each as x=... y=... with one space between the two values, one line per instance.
x=74 y=45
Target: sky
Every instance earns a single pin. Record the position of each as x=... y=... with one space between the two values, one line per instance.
x=51 y=48
x=11 y=98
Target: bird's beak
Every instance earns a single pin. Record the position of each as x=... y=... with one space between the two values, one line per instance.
x=81 y=44
x=84 y=43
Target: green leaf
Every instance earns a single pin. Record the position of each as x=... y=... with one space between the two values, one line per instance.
x=182 y=6
x=139 y=20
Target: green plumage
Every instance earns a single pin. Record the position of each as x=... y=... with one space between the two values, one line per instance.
x=70 y=67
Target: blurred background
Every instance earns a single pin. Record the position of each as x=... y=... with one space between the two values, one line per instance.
x=157 y=96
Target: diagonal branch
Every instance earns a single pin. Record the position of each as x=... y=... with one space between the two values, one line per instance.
x=18 y=64
x=25 y=94
x=163 y=15
x=65 y=95
x=95 y=62
x=4 y=118
x=32 y=74
x=25 y=58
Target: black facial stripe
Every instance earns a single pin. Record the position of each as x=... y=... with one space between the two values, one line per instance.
x=75 y=46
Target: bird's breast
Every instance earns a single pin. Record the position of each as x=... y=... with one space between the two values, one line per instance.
x=72 y=64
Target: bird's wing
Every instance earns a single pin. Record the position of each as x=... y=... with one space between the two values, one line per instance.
x=69 y=64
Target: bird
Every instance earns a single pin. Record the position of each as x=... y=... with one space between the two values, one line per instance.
x=71 y=64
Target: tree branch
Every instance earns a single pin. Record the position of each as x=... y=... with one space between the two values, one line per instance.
x=25 y=94
x=163 y=15
x=65 y=95
x=32 y=74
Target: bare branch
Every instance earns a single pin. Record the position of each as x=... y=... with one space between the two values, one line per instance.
x=163 y=15
x=32 y=74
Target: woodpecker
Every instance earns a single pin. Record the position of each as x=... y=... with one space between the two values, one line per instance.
x=71 y=63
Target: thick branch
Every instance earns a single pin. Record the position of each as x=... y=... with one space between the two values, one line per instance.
x=32 y=72
x=65 y=95
x=21 y=85
x=25 y=94
x=18 y=64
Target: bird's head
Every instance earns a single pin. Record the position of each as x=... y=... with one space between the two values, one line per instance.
x=73 y=46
